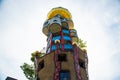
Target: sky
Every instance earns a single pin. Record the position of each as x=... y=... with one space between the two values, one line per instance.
x=96 y=21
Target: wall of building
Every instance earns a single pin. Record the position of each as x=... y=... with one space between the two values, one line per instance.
x=47 y=72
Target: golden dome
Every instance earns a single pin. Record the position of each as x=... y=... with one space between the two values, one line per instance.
x=61 y=11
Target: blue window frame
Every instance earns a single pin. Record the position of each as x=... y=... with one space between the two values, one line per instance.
x=65 y=31
x=53 y=47
x=67 y=46
x=66 y=37
x=55 y=38
x=64 y=75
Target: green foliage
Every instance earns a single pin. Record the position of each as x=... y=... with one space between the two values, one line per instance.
x=81 y=44
x=33 y=55
x=29 y=71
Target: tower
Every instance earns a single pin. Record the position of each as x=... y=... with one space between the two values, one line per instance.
x=63 y=59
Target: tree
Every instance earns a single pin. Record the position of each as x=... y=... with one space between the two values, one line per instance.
x=39 y=54
x=81 y=44
x=29 y=71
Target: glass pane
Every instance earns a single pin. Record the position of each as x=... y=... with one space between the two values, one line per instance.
x=66 y=37
x=53 y=47
x=65 y=31
x=64 y=75
x=55 y=38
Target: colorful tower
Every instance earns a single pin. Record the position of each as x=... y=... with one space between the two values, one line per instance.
x=63 y=60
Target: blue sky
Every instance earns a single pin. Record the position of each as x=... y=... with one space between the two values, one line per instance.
x=96 y=21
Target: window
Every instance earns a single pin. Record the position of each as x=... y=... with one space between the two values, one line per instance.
x=66 y=38
x=46 y=23
x=67 y=46
x=55 y=38
x=41 y=65
x=62 y=57
x=81 y=63
x=65 y=31
x=53 y=47
x=66 y=34
x=64 y=75
x=55 y=20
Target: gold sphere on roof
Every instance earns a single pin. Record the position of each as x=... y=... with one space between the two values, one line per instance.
x=61 y=11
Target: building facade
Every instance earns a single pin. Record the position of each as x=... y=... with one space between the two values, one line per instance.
x=63 y=59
